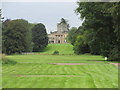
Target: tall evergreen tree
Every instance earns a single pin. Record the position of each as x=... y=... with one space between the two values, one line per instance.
x=40 y=38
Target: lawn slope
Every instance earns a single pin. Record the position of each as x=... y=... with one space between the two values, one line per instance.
x=62 y=48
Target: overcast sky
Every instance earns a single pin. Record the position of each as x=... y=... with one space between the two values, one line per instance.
x=48 y=13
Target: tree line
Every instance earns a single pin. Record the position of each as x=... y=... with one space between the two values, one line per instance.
x=100 y=30
x=20 y=36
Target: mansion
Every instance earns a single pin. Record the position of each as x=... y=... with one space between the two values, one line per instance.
x=60 y=35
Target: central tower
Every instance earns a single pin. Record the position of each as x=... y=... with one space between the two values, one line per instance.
x=62 y=27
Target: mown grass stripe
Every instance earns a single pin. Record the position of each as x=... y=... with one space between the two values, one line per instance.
x=48 y=76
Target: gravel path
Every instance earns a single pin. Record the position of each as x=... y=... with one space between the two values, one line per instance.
x=73 y=63
x=68 y=63
x=116 y=64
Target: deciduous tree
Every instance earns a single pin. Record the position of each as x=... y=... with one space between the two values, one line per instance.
x=14 y=36
x=39 y=37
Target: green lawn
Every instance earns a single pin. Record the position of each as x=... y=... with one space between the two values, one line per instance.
x=91 y=76
x=62 y=48
x=56 y=58
x=34 y=71
x=0 y=73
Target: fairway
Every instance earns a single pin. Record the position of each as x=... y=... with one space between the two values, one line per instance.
x=43 y=71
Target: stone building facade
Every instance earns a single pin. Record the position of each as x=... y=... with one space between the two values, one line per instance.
x=60 y=35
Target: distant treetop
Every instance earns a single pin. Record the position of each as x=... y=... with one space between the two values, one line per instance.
x=63 y=21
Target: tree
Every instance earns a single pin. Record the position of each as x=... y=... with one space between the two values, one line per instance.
x=4 y=28
x=72 y=35
x=0 y=32
x=14 y=34
x=115 y=13
x=80 y=46
x=63 y=21
x=101 y=22
x=28 y=40
x=39 y=37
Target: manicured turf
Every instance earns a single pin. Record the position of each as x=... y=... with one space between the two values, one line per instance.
x=0 y=73
x=92 y=76
x=34 y=71
x=56 y=58
x=62 y=48
x=97 y=75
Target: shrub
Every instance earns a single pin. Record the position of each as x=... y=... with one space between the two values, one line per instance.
x=80 y=46
x=55 y=52
x=114 y=54
x=5 y=60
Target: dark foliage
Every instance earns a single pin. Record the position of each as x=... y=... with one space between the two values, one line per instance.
x=40 y=39
x=55 y=52
x=101 y=21
x=14 y=36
